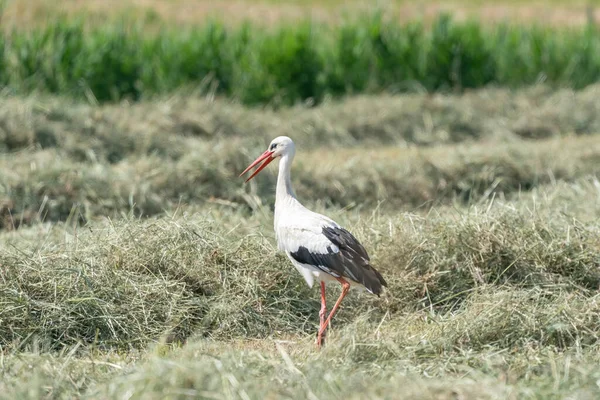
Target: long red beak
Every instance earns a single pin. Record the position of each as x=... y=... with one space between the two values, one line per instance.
x=264 y=156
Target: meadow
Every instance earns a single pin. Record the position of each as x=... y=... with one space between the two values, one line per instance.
x=136 y=264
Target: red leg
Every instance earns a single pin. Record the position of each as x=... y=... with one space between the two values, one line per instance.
x=345 y=289
x=322 y=314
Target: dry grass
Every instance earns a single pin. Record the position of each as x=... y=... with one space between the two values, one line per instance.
x=491 y=302
x=143 y=268
x=23 y=14
x=70 y=161
x=122 y=284
x=167 y=127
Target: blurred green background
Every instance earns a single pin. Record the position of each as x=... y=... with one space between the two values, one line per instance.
x=111 y=51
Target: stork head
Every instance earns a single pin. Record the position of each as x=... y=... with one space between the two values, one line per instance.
x=280 y=146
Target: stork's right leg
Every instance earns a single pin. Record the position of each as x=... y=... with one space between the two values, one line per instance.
x=322 y=315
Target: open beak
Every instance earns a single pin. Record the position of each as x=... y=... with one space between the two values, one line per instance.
x=267 y=156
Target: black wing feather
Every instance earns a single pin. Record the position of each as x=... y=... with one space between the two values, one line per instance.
x=352 y=261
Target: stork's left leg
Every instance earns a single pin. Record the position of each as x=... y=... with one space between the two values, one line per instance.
x=322 y=314
x=345 y=289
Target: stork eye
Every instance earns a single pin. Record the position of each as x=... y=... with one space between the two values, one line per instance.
x=273 y=146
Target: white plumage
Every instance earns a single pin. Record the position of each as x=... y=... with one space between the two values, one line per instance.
x=303 y=228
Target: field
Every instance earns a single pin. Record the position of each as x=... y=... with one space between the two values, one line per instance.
x=135 y=264
x=28 y=13
x=135 y=57
x=142 y=267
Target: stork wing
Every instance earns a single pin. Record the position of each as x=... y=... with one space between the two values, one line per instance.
x=333 y=250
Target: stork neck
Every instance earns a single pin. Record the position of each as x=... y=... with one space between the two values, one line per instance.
x=284 y=183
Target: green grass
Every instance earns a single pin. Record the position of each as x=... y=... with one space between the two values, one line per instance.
x=135 y=263
x=305 y=62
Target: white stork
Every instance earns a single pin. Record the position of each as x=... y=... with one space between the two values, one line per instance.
x=317 y=246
